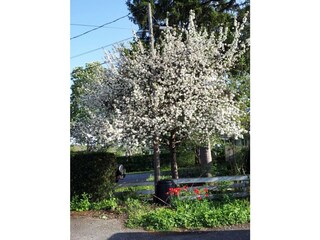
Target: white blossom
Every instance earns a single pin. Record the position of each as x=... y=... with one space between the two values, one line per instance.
x=181 y=88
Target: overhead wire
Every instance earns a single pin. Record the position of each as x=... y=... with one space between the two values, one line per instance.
x=99 y=27
x=88 y=25
x=96 y=49
x=103 y=25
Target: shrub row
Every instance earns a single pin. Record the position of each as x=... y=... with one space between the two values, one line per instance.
x=84 y=203
x=92 y=173
x=142 y=162
x=145 y=162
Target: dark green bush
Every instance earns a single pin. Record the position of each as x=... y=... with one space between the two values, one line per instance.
x=186 y=158
x=142 y=162
x=191 y=172
x=145 y=162
x=92 y=173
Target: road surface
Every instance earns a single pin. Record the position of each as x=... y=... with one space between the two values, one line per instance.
x=88 y=228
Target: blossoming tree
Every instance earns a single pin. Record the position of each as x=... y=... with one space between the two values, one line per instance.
x=79 y=117
x=179 y=91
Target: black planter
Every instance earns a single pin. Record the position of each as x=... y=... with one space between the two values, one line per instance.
x=161 y=192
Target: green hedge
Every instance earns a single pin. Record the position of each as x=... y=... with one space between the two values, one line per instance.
x=142 y=162
x=92 y=173
x=145 y=162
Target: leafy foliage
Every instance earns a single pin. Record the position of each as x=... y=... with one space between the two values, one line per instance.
x=85 y=203
x=105 y=204
x=192 y=214
x=92 y=173
x=79 y=114
x=182 y=213
x=145 y=162
x=80 y=204
x=141 y=162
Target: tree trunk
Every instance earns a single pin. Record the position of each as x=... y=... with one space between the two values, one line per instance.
x=197 y=156
x=90 y=147
x=156 y=160
x=206 y=160
x=173 y=155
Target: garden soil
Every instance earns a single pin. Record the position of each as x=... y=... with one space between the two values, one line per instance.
x=100 y=226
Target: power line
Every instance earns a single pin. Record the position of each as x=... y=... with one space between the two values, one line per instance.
x=138 y=10
x=99 y=27
x=88 y=25
x=93 y=50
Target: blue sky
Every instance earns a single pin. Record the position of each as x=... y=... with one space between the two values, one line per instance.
x=97 y=12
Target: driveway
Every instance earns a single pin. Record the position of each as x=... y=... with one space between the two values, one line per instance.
x=89 y=228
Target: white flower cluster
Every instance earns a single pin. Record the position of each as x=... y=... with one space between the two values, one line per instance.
x=179 y=87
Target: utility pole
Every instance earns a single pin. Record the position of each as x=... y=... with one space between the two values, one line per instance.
x=150 y=29
x=156 y=150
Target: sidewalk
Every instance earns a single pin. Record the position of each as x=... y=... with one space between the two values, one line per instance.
x=85 y=228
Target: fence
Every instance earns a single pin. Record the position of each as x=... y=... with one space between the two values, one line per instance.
x=235 y=186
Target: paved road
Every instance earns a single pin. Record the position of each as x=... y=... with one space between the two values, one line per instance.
x=139 y=177
x=218 y=235
x=135 y=177
x=85 y=228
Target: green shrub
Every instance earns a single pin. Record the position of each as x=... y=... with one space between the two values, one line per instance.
x=134 y=210
x=186 y=158
x=191 y=214
x=106 y=204
x=92 y=173
x=80 y=204
x=195 y=171
x=84 y=203
x=142 y=162
x=161 y=219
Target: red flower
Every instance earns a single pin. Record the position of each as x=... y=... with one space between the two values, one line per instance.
x=206 y=190
x=174 y=191
x=207 y=195
x=196 y=191
x=171 y=191
x=199 y=198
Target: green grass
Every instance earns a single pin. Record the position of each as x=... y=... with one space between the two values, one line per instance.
x=134 y=188
x=162 y=177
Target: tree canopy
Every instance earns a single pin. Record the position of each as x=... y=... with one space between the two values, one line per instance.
x=80 y=118
x=179 y=88
x=209 y=14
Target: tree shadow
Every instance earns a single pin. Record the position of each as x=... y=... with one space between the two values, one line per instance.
x=197 y=235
